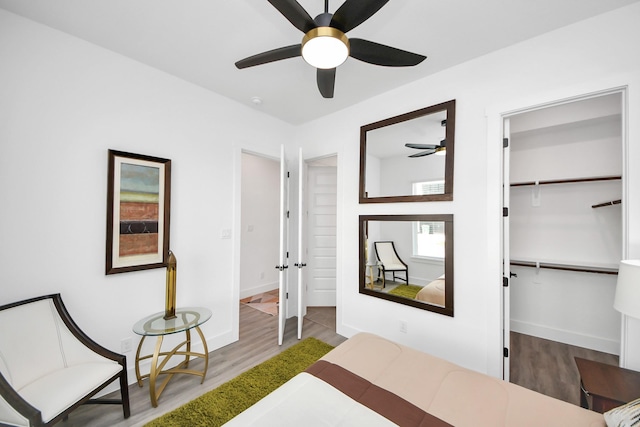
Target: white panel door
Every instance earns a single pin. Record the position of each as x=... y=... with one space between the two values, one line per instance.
x=282 y=259
x=321 y=257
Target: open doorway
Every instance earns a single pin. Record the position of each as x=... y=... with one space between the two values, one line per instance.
x=260 y=183
x=564 y=236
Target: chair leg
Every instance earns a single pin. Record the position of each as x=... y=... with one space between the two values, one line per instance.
x=124 y=393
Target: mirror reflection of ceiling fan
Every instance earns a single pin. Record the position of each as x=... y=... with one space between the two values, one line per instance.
x=325 y=45
x=429 y=148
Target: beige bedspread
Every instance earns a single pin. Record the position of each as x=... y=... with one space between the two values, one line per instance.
x=433 y=293
x=459 y=396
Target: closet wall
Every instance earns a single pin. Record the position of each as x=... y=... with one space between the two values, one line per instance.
x=566 y=160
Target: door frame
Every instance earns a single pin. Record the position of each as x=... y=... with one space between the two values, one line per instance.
x=272 y=153
x=496 y=126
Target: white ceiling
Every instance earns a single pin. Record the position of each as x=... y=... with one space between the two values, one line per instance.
x=200 y=40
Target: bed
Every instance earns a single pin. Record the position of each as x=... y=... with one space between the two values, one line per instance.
x=433 y=293
x=368 y=380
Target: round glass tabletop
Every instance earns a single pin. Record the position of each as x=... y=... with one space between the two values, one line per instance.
x=186 y=318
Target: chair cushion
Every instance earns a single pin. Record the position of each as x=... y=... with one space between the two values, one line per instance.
x=58 y=390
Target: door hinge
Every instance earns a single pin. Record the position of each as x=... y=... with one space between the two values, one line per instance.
x=505 y=282
x=505 y=352
x=287 y=214
x=288 y=175
x=505 y=142
x=287 y=254
x=505 y=211
x=286 y=296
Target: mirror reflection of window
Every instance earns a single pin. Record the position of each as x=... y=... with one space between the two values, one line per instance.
x=428 y=187
x=428 y=240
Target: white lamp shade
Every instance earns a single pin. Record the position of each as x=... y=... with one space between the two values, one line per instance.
x=627 y=299
x=325 y=52
x=325 y=47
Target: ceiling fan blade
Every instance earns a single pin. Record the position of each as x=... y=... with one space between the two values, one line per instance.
x=421 y=146
x=423 y=153
x=270 y=56
x=354 y=12
x=295 y=13
x=379 y=54
x=326 y=81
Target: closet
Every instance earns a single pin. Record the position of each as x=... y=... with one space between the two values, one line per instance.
x=565 y=219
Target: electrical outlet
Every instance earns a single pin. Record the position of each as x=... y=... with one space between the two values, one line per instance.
x=403 y=326
x=126 y=345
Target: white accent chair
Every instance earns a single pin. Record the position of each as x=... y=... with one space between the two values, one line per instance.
x=390 y=261
x=49 y=367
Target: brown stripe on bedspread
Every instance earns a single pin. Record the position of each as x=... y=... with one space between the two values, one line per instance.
x=385 y=403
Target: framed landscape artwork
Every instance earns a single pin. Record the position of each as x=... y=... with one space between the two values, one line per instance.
x=138 y=208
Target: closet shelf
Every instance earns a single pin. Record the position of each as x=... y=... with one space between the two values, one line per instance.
x=566 y=267
x=567 y=181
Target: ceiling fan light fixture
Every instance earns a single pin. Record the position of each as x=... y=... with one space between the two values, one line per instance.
x=325 y=47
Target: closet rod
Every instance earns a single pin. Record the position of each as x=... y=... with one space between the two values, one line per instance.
x=579 y=268
x=613 y=202
x=566 y=181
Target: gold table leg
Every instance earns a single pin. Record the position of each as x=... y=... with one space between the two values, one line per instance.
x=159 y=359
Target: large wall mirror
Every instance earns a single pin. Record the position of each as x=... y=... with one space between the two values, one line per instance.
x=408 y=259
x=409 y=158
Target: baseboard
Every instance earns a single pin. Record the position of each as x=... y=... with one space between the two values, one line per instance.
x=249 y=292
x=568 y=337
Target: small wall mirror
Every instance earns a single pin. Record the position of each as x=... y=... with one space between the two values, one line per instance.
x=409 y=158
x=408 y=259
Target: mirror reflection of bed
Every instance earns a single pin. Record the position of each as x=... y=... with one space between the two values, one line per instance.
x=405 y=260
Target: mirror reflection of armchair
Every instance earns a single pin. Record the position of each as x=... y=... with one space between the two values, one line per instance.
x=390 y=261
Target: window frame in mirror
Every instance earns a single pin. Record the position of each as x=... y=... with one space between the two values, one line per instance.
x=450 y=108
x=447 y=309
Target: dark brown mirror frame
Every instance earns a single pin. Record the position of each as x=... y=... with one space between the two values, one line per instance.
x=450 y=108
x=448 y=261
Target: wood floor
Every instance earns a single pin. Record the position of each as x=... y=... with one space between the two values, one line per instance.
x=541 y=365
x=257 y=343
x=548 y=366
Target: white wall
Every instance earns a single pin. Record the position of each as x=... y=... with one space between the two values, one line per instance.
x=591 y=55
x=64 y=103
x=399 y=173
x=260 y=198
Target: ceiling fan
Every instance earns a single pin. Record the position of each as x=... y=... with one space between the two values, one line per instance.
x=429 y=148
x=325 y=45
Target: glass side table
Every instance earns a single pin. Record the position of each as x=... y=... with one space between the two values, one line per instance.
x=156 y=325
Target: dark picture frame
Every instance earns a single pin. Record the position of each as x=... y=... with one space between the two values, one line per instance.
x=447 y=308
x=394 y=129
x=138 y=212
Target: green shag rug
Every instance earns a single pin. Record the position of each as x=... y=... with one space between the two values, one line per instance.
x=218 y=406
x=406 y=291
